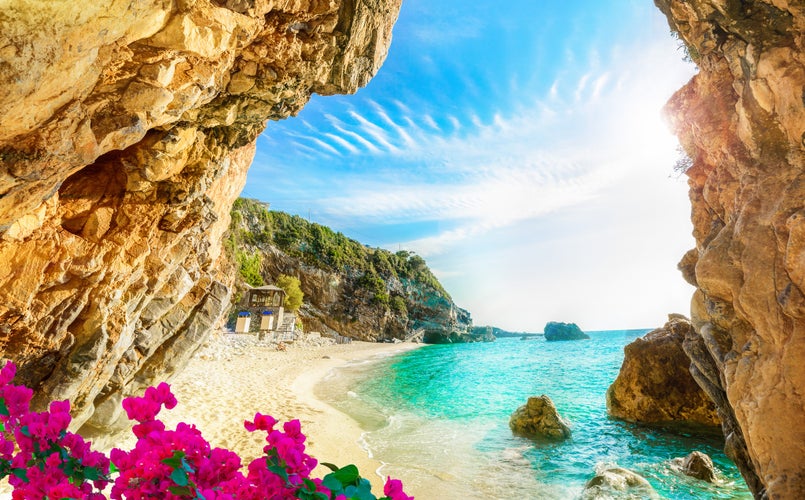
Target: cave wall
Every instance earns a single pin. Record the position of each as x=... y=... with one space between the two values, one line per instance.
x=741 y=120
x=126 y=130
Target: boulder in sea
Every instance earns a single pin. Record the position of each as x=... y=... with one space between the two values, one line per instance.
x=564 y=331
x=655 y=385
x=539 y=418
x=697 y=465
x=611 y=481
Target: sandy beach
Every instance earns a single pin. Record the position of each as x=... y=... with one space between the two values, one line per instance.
x=232 y=378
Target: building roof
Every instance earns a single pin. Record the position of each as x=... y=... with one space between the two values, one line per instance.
x=268 y=288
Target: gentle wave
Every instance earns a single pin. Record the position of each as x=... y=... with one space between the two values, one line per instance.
x=437 y=417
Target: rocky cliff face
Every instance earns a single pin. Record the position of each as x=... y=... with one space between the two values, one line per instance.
x=339 y=302
x=350 y=289
x=742 y=122
x=127 y=129
x=654 y=385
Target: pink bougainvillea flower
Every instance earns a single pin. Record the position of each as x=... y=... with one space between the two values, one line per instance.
x=393 y=489
x=261 y=423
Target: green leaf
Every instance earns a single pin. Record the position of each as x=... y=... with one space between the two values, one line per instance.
x=364 y=491
x=347 y=475
x=25 y=431
x=332 y=483
x=4 y=408
x=360 y=491
x=310 y=485
x=330 y=466
x=180 y=490
x=316 y=495
x=179 y=476
x=92 y=473
x=113 y=468
x=280 y=471
x=69 y=468
x=175 y=461
x=20 y=473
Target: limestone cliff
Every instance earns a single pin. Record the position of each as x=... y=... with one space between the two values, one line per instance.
x=654 y=385
x=350 y=289
x=127 y=129
x=741 y=120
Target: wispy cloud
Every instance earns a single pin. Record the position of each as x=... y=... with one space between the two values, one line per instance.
x=478 y=169
x=526 y=141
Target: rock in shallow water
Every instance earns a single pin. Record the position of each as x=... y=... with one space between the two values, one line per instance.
x=611 y=482
x=698 y=465
x=539 y=418
x=655 y=385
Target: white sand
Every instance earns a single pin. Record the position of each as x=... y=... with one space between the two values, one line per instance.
x=234 y=377
x=218 y=395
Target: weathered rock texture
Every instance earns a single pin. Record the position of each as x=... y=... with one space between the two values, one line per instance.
x=127 y=129
x=338 y=302
x=539 y=418
x=741 y=120
x=655 y=385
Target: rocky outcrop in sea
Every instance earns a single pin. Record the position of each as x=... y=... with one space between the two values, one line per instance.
x=697 y=465
x=539 y=418
x=741 y=121
x=564 y=331
x=655 y=385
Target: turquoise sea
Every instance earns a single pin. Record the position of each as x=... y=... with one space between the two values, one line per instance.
x=437 y=417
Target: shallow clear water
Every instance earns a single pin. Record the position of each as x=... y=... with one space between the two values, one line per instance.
x=438 y=418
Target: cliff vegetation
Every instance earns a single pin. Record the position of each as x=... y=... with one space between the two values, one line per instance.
x=349 y=288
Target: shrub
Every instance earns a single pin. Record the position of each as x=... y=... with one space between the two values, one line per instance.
x=398 y=305
x=249 y=268
x=293 y=291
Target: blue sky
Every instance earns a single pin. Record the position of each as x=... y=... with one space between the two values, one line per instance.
x=519 y=148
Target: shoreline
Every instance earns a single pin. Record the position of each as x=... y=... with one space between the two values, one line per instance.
x=336 y=434
x=223 y=385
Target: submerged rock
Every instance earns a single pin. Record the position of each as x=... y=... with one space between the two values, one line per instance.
x=539 y=418
x=698 y=465
x=611 y=481
x=564 y=331
x=655 y=385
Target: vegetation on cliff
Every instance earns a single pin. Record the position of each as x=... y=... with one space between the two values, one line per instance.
x=253 y=225
x=294 y=297
x=349 y=287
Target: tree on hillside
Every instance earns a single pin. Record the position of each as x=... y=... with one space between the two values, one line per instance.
x=293 y=291
x=249 y=267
